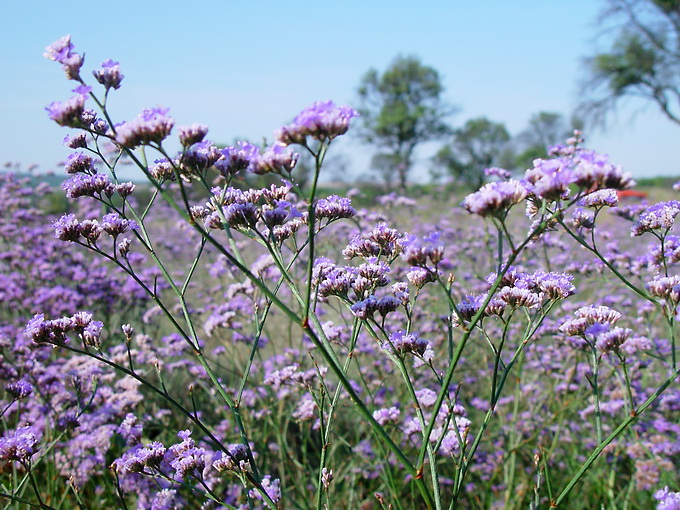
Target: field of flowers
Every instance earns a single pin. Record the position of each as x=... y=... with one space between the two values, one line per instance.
x=196 y=342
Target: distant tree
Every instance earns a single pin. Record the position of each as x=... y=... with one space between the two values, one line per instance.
x=478 y=145
x=643 y=61
x=401 y=109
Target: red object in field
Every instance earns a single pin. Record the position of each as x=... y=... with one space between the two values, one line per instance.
x=630 y=193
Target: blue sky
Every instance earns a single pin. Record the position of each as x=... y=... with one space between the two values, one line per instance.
x=245 y=68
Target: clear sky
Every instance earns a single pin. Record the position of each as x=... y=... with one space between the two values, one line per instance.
x=245 y=68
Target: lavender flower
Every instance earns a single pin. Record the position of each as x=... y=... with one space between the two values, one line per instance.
x=501 y=173
x=407 y=343
x=365 y=308
x=326 y=477
x=271 y=487
x=667 y=500
x=600 y=198
x=114 y=225
x=236 y=158
x=67 y=228
x=321 y=121
x=140 y=457
x=550 y=178
x=82 y=185
x=62 y=51
x=165 y=500
x=19 y=389
x=109 y=75
x=235 y=460
x=79 y=162
x=276 y=159
x=594 y=170
x=68 y=113
x=334 y=207
x=188 y=459
x=79 y=141
x=555 y=285
x=19 y=444
x=655 y=217
x=495 y=198
x=151 y=126
x=389 y=415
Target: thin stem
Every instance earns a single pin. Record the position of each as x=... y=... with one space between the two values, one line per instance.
x=623 y=426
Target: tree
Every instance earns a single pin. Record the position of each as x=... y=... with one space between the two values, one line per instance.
x=478 y=145
x=401 y=109
x=643 y=61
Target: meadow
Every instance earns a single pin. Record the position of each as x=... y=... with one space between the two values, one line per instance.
x=202 y=341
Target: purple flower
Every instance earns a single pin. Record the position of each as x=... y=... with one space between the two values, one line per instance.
x=655 y=217
x=79 y=162
x=140 y=457
x=334 y=207
x=501 y=173
x=389 y=415
x=92 y=332
x=199 y=157
x=241 y=215
x=125 y=189
x=611 y=340
x=594 y=169
x=67 y=228
x=276 y=159
x=187 y=458
x=164 y=500
x=68 y=113
x=189 y=135
x=62 y=51
x=236 y=158
x=667 y=500
x=419 y=276
x=19 y=389
x=79 y=141
x=600 y=198
x=162 y=169
x=109 y=75
x=271 y=487
x=83 y=185
x=555 y=285
x=19 y=444
x=235 y=459
x=365 y=309
x=151 y=126
x=407 y=343
x=495 y=198
x=131 y=430
x=322 y=121
x=550 y=178
x=114 y=225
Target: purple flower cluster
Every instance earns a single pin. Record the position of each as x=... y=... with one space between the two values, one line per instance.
x=151 y=126
x=381 y=241
x=496 y=198
x=62 y=51
x=667 y=500
x=322 y=121
x=594 y=327
x=56 y=331
x=109 y=74
x=407 y=343
x=657 y=217
x=19 y=444
x=518 y=289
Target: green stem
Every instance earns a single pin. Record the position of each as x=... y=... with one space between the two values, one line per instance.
x=603 y=444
